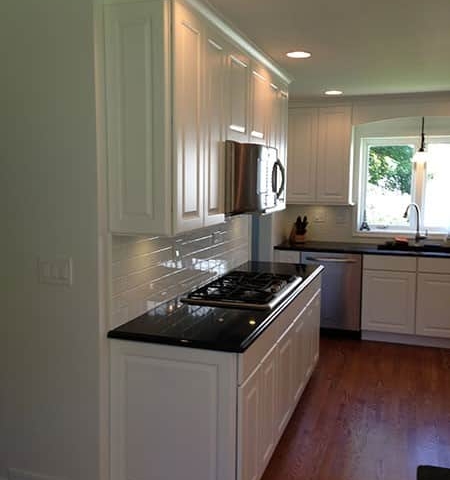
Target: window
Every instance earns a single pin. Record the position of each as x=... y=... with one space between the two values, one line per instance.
x=389 y=181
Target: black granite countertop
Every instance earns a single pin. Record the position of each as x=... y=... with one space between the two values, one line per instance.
x=363 y=248
x=212 y=328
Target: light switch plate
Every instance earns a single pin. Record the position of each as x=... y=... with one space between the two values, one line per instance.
x=56 y=271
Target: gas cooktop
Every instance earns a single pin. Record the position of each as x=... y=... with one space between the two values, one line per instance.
x=242 y=289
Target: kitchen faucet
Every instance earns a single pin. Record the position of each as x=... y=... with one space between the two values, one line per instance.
x=405 y=215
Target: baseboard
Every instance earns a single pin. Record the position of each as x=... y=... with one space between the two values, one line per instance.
x=406 y=339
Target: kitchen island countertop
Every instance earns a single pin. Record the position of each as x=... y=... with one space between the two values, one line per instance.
x=212 y=328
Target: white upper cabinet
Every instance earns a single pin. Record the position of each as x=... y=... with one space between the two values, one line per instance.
x=214 y=124
x=319 y=155
x=277 y=118
x=302 y=157
x=177 y=87
x=260 y=99
x=238 y=97
x=189 y=172
x=137 y=89
x=333 y=155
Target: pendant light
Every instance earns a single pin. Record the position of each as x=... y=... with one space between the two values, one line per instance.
x=420 y=155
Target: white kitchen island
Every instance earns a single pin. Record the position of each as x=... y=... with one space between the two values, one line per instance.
x=184 y=413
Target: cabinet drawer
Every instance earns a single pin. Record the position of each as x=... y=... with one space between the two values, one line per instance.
x=389 y=262
x=434 y=265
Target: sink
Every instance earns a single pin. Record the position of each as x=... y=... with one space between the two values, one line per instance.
x=414 y=247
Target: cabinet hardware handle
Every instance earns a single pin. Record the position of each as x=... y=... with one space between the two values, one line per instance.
x=239 y=62
x=256 y=74
x=190 y=27
x=278 y=165
x=331 y=260
x=214 y=44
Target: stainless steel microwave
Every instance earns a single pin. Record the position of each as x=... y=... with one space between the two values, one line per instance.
x=255 y=179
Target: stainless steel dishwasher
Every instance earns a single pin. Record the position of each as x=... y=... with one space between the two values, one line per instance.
x=341 y=289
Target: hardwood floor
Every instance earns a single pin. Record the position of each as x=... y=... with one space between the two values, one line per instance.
x=371 y=411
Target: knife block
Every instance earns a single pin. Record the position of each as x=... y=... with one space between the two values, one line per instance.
x=295 y=237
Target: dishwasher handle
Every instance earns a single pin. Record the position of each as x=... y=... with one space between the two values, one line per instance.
x=331 y=260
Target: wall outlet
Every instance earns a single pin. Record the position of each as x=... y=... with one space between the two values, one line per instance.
x=319 y=216
x=55 y=271
x=341 y=217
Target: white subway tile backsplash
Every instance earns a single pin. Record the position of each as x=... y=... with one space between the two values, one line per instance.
x=147 y=271
x=119 y=284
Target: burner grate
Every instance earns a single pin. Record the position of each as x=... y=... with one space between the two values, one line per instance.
x=242 y=288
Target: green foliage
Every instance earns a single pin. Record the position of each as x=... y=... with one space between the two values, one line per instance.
x=390 y=167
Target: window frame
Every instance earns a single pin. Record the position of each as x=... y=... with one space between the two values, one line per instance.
x=437 y=130
x=365 y=144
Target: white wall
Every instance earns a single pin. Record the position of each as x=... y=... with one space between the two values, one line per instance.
x=49 y=334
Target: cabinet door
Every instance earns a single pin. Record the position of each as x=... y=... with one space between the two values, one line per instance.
x=215 y=57
x=282 y=107
x=388 y=301
x=259 y=99
x=433 y=305
x=273 y=116
x=333 y=155
x=138 y=148
x=249 y=408
x=285 y=362
x=277 y=122
x=237 y=98
x=267 y=440
x=308 y=344
x=315 y=325
x=300 y=356
x=187 y=75
x=302 y=155
x=169 y=403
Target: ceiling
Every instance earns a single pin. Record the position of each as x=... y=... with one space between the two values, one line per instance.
x=362 y=47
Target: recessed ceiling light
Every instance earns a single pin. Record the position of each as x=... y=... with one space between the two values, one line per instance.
x=333 y=92
x=298 y=54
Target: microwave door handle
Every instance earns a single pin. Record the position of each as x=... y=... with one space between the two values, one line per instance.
x=279 y=165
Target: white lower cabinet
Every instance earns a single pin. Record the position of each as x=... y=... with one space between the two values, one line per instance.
x=406 y=295
x=388 y=301
x=257 y=403
x=285 y=367
x=269 y=374
x=180 y=413
x=433 y=305
x=315 y=330
x=173 y=413
x=433 y=297
x=388 y=294
x=268 y=396
x=249 y=417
